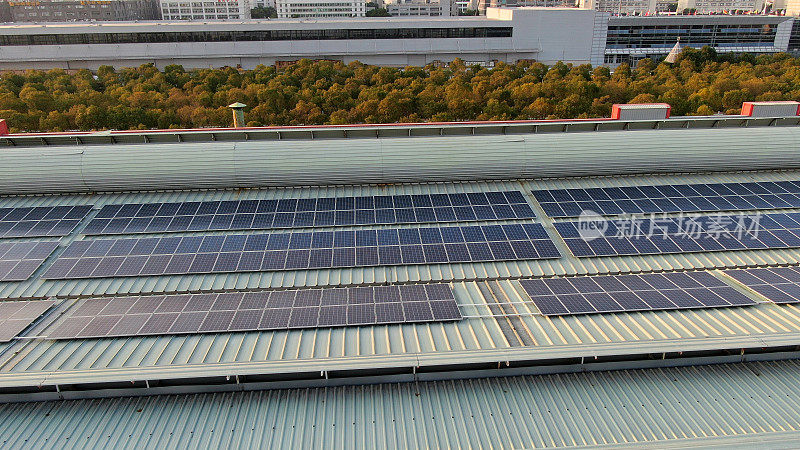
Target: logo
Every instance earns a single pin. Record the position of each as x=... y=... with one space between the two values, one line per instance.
x=591 y=225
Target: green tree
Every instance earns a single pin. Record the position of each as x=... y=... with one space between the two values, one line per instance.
x=378 y=12
x=262 y=12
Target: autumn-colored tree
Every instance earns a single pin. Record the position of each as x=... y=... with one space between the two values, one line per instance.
x=329 y=92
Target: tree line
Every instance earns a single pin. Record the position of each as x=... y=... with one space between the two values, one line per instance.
x=700 y=82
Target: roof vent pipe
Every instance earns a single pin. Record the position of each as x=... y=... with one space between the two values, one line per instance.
x=238 y=114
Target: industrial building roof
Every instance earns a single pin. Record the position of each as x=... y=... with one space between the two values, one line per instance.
x=737 y=405
x=377 y=381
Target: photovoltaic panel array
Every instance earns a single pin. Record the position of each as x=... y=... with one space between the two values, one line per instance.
x=250 y=311
x=41 y=221
x=684 y=235
x=779 y=284
x=308 y=212
x=18 y=260
x=300 y=250
x=621 y=293
x=670 y=198
x=16 y=316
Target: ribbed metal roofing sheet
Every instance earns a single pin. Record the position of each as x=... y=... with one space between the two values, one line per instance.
x=246 y=164
x=737 y=404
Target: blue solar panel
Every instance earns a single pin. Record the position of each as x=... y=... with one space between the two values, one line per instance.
x=670 y=198
x=41 y=221
x=683 y=234
x=300 y=250
x=16 y=316
x=626 y=293
x=19 y=260
x=299 y=213
x=251 y=311
x=779 y=284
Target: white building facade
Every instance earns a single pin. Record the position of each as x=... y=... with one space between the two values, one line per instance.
x=402 y=8
x=303 y=9
x=715 y=6
x=621 y=6
x=509 y=35
x=205 y=9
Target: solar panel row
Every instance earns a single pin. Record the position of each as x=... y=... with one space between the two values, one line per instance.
x=779 y=284
x=41 y=221
x=312 y=212
x=250 y=311
x=19 y=260
x=670 y=198
x=288 y=251
x=16 y=316
x=610 y=293
x=684 y=235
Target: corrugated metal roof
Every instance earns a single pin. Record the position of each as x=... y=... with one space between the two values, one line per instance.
x=737 y=404
x=523 y=334
x=245 y=164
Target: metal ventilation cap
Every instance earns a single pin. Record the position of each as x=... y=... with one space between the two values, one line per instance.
x=771 y=109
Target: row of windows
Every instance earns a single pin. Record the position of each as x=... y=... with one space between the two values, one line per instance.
x=713 y=35
x=638 y=29
x=271 y=35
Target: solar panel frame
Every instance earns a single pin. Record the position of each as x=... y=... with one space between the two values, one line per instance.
x=286 y=213
x=16 y=316
x=300 y=251
x=257 y=311
x=712 y=233
x=41 y=221
x=565 y=203
x=19 y=260
x=778 y=284
x=631 y=293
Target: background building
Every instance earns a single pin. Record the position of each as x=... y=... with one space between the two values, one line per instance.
x=205 y=9
x=299 y=9
x=506 y=34
x=712 y=6
x=483 y=4
x=629 y=39
x=79 y=10
x=621 y=6
x=420 y=8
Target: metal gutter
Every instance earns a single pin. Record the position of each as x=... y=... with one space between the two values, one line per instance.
x=377 y=131
x=524 y=360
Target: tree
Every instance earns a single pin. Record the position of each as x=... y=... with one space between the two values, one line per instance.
x=378 y=12
x=318 y=92
x=261 y=12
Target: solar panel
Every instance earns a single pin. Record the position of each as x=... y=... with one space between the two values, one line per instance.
x=779 y=284
x=300 y=250
x=16 y=316
x=683 y=234
x=618 y=293
x=41 y=221
x=251 y=311
x=670 y=198
x=313 y=212
x=19 y=260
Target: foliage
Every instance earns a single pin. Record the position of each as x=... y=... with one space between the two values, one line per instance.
x=261 y=12
x=468 y=12
x=327 y=92
x=378 y=12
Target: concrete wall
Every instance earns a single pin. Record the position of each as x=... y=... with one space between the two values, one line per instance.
x=559 y=34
